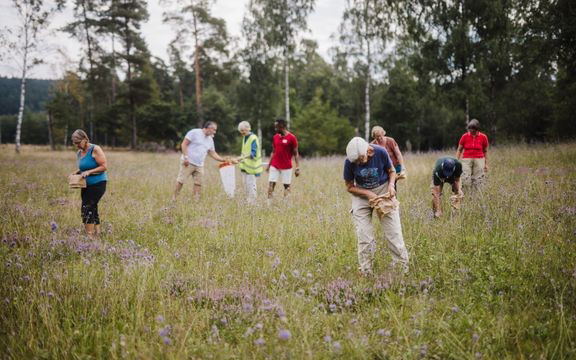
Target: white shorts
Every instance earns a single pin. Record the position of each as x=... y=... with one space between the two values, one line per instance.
x=275 y=174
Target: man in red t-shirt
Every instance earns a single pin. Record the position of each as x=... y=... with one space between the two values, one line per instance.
x=472 y=148
x=284 y=146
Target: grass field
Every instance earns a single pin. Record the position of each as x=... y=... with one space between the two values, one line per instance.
x=216 y=279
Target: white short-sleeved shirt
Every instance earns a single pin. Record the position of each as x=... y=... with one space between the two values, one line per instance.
x=199 y=146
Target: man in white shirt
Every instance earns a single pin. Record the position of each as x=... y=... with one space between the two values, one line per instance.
x=197 y=143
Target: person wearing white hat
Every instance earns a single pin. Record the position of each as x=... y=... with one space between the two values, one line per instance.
x=369 y=174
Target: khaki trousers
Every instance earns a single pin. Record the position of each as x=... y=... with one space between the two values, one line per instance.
x=473 y=172
x=391 y=229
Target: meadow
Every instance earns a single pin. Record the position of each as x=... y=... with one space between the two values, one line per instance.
x=216 y=279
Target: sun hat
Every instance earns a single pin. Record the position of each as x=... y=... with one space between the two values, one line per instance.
x=355 y=148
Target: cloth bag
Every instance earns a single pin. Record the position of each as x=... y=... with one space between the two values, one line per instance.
x=228 y=177
x=456 y=200
x=384 y=204
x=76 y=181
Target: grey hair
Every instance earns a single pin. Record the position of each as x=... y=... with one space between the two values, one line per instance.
x=80 y=135
x=474 y=124
x=378 y=129
x=244 y=125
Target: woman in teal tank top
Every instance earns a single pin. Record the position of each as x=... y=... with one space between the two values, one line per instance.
x=92 y=166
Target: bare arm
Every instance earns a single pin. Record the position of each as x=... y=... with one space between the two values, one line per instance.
x=486 y=159
x=100 y=158
x=184 y=148
x=270 y=161
x=214 y=155
x=391 y=181
x=358 y=191
x=297 y=161
x=399 y=156
x=457 y=186
x=459 y=152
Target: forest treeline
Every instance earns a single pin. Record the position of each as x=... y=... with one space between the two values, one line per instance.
x=419 y=68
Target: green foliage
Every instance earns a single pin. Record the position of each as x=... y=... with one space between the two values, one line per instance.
x=507 y=63
x=319 y=128
x=37 y=94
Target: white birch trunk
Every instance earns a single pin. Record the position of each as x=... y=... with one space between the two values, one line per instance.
x=287 y=89
x=22 y=97
x=367 y=92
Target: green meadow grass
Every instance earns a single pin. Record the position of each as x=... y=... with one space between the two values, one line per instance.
x=215 y=278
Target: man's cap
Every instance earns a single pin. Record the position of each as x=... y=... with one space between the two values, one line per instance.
x=448 y=167
x=355 y=148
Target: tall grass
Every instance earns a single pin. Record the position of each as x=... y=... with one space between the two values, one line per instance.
x=215 y=278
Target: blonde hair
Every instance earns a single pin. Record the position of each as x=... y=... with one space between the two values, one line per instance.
x=244 y=125
x=80 y=134
x=378 y=129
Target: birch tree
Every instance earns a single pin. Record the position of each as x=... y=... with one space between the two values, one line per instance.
x=364 y=29
x=280 y=21
x=33 y=19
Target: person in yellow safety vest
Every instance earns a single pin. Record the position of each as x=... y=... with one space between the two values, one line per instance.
x=250 y=160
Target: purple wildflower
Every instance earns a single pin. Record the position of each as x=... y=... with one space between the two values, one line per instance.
x=284 y=334
x=475 y=337
x=280 y=312
x=276 y=263
x=295 y=273
x=166 y=340
x=423 y=350
x=160 y=318
x=53 y=226
x=383 y=332
x=259 y=341
x=259 y=326
x=165 y=331
x=327 y=339
x=336 y=346
x=454 y=309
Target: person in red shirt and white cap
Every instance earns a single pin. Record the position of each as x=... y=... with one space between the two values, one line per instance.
x=472 y=148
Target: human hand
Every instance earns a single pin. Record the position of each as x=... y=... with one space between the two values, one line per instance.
x=391 y=191
x=485 y=168
x=186 y=162
x=370 y=195
x=297 y=172
x=85 y=174
x=267 y=169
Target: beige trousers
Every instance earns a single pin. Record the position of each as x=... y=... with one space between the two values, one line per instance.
x=391 y=229
x=473 y=172
x=250 y=186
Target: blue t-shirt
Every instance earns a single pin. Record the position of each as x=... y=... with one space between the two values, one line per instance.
x=372 y=174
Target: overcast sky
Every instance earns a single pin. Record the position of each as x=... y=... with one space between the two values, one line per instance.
x=62 y=52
